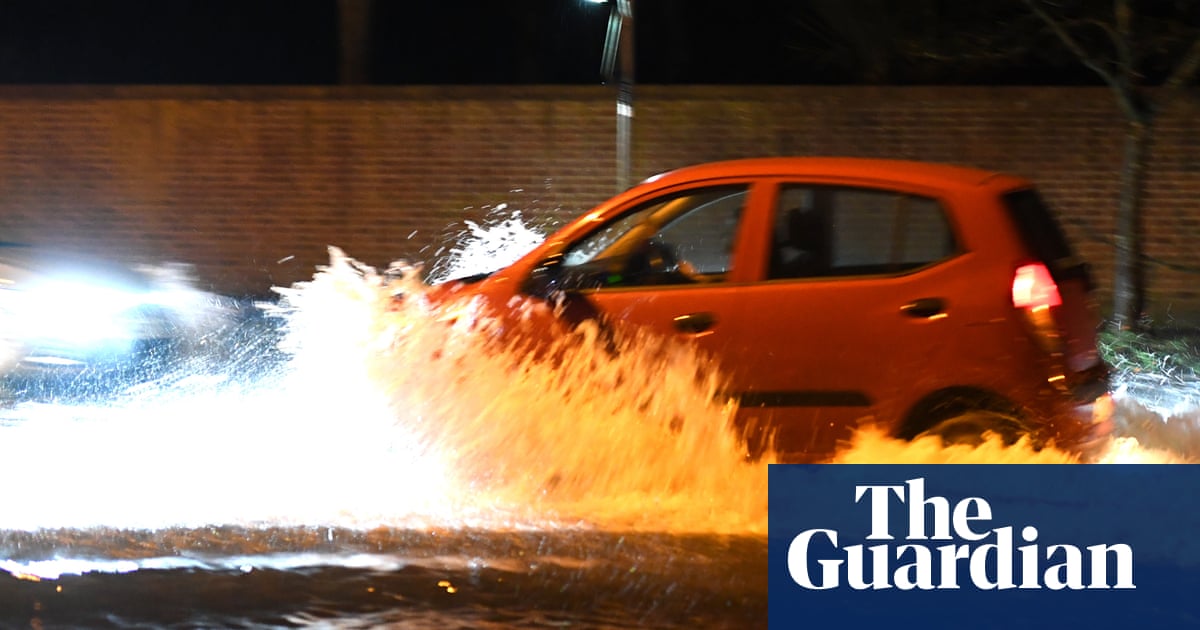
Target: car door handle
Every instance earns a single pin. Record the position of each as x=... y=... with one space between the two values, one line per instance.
x=695 y=323
x=924 y=307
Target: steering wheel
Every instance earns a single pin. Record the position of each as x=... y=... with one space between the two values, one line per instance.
x=657 y=257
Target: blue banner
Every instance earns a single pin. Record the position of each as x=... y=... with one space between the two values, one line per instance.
x=984 y=546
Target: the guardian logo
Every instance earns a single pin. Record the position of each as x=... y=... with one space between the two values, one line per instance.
x=949 y=546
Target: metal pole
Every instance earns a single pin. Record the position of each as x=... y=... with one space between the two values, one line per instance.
x=625 y=94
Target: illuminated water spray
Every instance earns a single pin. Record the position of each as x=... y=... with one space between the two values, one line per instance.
x=633 y=439
x=482 y=248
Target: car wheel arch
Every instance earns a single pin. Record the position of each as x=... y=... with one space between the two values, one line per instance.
x=990 y=410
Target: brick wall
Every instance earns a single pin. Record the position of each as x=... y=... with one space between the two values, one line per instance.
x=250 y=185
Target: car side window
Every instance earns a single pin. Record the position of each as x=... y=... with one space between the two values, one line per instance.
x=840 y=231
x=681 y=238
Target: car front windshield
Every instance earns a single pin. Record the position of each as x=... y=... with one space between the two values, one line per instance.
x=626 y=233
x=606 y=238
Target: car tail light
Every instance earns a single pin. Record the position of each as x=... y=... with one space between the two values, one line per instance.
x=1034 y=288
x=1036 y=294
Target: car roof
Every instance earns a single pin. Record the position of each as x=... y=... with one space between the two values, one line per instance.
x=926 y=173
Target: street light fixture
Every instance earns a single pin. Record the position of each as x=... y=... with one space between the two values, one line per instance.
x=618 y=63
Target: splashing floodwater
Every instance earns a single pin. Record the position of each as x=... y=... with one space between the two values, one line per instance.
x=482 y=248
x=578 y=439
x=401 y=436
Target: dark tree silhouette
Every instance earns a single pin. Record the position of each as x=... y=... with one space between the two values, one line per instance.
x=1131 y=61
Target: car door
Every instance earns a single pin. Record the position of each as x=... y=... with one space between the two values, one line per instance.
x=848 y=311
x=666 y=264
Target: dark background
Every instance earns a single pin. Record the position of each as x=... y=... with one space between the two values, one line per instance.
x=560 y=41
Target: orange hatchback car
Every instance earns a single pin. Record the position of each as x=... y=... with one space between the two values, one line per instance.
x=921 y=297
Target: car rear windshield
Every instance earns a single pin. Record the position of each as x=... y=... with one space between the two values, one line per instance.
x=1038 y=229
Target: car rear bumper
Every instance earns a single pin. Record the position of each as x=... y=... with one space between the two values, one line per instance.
x=1096 y=427
x=1084 y=423
x=1089 y=385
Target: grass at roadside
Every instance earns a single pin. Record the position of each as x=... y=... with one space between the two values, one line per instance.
x=1174 y=355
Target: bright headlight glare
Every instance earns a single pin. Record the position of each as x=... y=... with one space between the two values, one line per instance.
x=70 y=311
x=84 y=298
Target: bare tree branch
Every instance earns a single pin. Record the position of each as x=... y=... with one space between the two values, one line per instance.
x=1070 y=41
x=1123 y=92
x=1113 y=37
x=1124 y=33
x=1182 y=73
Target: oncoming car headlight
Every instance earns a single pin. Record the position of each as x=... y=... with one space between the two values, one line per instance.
x=70 y=312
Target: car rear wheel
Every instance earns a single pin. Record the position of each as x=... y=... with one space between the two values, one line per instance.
x=973 y=427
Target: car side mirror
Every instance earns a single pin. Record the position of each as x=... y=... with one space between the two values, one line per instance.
x=546 y=278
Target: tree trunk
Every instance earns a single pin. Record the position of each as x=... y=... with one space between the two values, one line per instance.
x=1129 y=279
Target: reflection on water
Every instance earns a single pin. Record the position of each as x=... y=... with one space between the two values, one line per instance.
x=423 y=579
x=396 y=464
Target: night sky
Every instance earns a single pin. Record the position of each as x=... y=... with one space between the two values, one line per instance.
x=542 y=41
x=432 y=41
x=168 y=41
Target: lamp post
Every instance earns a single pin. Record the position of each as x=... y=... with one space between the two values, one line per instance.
x=618 y=63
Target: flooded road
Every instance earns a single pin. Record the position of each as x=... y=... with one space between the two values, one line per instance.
x=347 y=464
x=292 y=577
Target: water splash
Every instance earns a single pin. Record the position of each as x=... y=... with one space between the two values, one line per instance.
x=499 y=241
x=873 y=446
x=578 y=434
